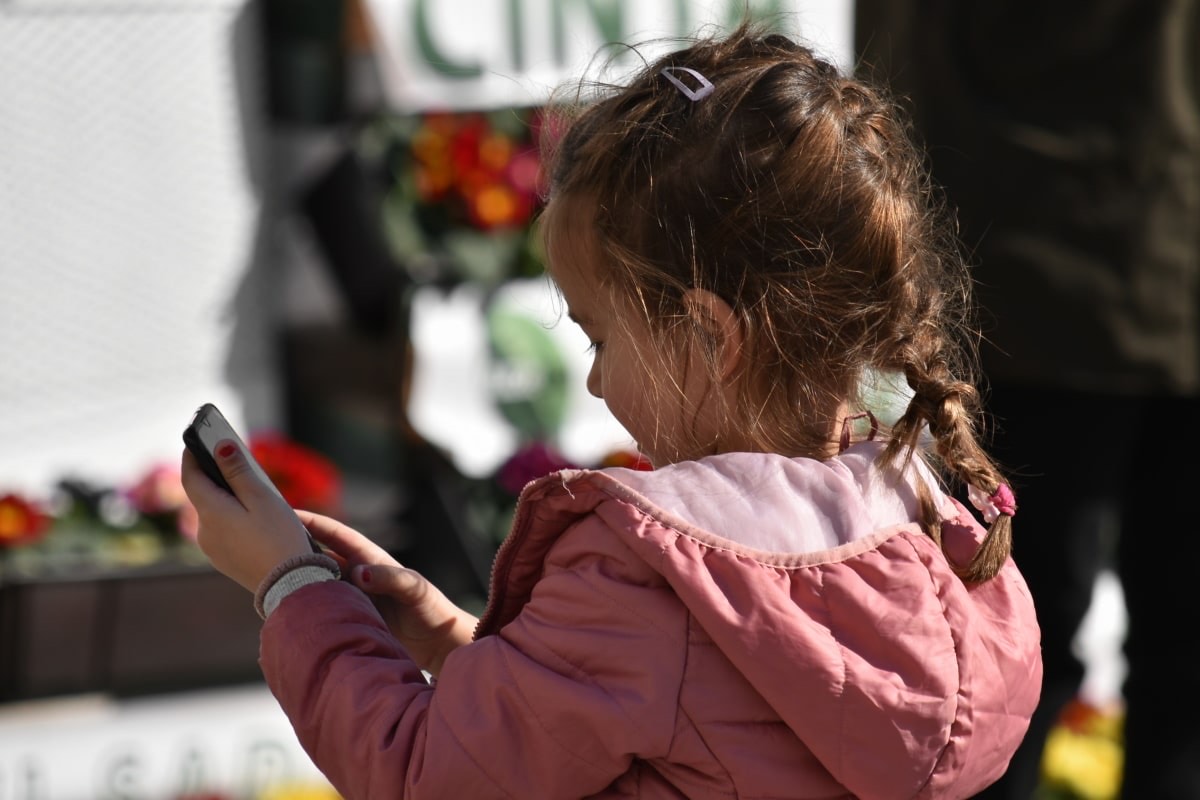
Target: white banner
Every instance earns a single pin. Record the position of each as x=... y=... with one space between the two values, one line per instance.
x=232 y=742
x=479 y=54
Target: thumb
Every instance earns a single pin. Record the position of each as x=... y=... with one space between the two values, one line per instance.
x=405 y=586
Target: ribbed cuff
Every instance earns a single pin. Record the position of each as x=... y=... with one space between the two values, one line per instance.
x=289 y=575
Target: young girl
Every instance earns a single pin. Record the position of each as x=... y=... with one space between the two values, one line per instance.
x=789 y=605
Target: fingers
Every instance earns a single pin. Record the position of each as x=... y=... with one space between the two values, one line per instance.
x=188 y=467
x=407 y=587
x=344 y=540
x=199 y=487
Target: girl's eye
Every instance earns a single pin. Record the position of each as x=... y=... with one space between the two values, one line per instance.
x=594 y=348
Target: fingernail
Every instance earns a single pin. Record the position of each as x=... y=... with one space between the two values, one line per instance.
x=226 y=450
x=364 y=575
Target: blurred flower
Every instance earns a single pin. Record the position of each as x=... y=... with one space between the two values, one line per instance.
x=629 y=459
x=300 y=791
x=158 y=495
x=533 y=461
x=460 y=192
x=304 y=477
x=1084 y=754
x=21 y=521
x=158 y=491
x=480 y=175
x=146 y=520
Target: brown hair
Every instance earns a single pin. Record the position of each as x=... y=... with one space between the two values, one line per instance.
x=795 y=194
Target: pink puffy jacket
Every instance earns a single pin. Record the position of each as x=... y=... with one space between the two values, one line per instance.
x=743 y=626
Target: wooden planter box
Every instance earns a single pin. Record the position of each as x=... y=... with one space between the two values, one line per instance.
x=136 y=631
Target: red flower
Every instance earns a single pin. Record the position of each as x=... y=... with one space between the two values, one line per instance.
x=305 y=478
x=628 y=459
x=21 y=522
x=1081 y=717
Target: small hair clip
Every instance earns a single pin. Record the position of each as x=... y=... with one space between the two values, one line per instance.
x=1001 y=501
x=706 y=87
x=848 y=422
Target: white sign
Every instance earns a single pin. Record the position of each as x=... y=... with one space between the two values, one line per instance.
x=478 y=54
x=229 y=742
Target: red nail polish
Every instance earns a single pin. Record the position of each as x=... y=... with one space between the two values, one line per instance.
x=226 y=450
x=365 y=575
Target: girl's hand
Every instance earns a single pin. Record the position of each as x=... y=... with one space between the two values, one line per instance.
x=245 y=536
x=421 y=618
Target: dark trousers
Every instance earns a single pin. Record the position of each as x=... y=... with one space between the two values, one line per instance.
x=1112 y=480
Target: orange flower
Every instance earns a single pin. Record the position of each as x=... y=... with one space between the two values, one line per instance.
x=495 y=151
x=628 y=459
x=496 y=206
x=21 y=522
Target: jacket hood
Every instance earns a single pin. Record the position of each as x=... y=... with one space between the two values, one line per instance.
x=815 y=580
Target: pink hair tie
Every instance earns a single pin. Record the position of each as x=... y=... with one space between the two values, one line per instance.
x=1001 y=501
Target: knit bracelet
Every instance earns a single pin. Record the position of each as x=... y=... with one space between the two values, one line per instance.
x=289 y=575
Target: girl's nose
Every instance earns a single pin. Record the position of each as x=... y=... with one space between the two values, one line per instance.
x=595 y=386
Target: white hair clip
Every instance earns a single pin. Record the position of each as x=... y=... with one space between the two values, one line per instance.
x=706 y=87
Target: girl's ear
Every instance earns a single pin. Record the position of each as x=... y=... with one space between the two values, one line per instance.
x=722 y=326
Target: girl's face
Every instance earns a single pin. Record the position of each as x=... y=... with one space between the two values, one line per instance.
x=661 y=397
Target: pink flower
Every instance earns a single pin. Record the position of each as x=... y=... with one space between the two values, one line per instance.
x=159 y=491
x=531 y=462
x=159 y=495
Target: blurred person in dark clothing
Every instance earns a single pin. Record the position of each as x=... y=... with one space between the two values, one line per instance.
x=1067 y=135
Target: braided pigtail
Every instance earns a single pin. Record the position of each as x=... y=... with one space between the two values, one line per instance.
x=949 y=410
x=927 y=310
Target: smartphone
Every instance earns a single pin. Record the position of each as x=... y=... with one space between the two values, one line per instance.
x=207 y=428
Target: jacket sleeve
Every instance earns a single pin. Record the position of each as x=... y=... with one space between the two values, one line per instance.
x=557 y=704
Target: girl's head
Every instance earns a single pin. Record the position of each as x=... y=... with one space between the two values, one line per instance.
x=746 y=234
